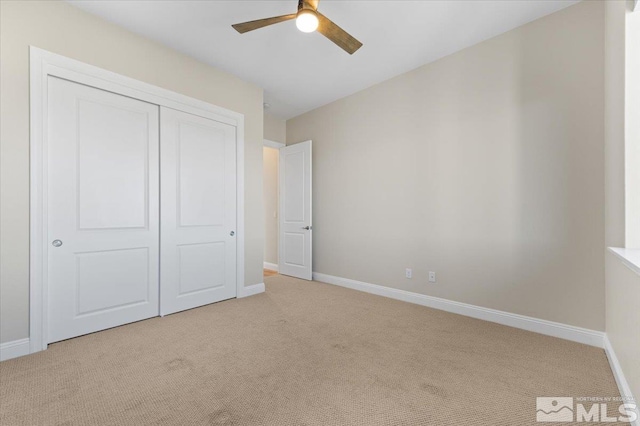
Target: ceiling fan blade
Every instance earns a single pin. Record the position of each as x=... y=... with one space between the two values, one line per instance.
x=337 y=35
x=254 y=25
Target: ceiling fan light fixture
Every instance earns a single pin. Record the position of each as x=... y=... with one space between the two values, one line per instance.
x=307 y=21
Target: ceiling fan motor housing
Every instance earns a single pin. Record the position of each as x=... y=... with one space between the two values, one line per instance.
x=302 y=4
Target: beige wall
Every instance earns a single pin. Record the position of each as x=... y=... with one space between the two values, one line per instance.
x=63 y=29
x=486 y=167
x=614 y=122
x=622 y=284
x=275 y=129
x=270 y=185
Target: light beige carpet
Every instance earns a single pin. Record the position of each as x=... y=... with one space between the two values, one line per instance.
x=303 y=353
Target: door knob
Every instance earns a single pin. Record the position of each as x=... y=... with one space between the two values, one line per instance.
x=56 y=243
x=308 y=228
x=232 y=233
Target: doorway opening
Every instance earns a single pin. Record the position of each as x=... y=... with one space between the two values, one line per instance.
x=287 y=180
x=270 y=158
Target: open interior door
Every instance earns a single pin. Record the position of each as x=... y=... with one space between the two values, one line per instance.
x=295 y=246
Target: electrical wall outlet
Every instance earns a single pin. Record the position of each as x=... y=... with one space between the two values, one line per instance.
x=432 y=277
x=408 y=273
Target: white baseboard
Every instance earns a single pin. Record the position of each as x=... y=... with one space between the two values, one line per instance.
x=14 y=349
x=549 y=328
x=623 y=385
x=251 y=290
x=271 y=266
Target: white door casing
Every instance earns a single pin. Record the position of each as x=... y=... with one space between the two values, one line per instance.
x=103 y=209
x=295 y=242
x=198 y=206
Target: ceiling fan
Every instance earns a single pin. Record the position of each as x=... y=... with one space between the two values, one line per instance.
x=308 y=19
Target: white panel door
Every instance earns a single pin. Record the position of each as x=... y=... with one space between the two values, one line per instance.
x=198 y=204
x=295 y=211
x=103 y=232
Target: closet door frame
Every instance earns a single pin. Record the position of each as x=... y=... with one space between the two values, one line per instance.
x=44 y=64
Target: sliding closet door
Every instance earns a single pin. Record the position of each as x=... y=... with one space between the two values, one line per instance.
x=198 y=211
x=102 y=206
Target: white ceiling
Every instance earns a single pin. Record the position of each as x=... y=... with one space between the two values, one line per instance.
x=300 y=72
